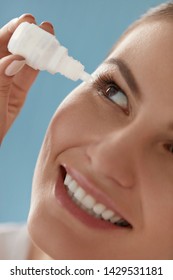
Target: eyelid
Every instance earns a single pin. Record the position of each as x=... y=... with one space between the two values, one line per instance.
x=167 y=145
x=103 y=80
x=107 y=79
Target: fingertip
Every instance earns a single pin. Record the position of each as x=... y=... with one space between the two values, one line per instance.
x=14 y=23
x=6 y=61
x=47 y=26
x=27 y=17
x=14 y=67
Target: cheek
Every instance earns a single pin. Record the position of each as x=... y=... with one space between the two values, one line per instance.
x=74 y=123
x=156 y=199
x=82 y=118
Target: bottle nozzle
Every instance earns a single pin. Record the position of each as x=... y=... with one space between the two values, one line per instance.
x=85 y=77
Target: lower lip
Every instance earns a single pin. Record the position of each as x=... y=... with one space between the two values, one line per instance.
x=65 y=201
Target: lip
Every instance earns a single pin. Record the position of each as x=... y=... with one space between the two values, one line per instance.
x=65 y=201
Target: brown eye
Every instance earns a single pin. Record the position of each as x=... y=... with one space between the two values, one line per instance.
x=107 y=87
x=169 y=148
x=117 y=96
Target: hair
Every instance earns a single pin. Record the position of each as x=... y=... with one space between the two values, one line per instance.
x=163 y=12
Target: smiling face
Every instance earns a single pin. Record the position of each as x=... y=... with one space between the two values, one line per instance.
x=114 y=137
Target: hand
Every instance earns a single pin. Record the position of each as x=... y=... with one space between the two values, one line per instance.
x=16 y=78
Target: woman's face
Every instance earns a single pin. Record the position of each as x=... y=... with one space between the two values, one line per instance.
x=114 y=137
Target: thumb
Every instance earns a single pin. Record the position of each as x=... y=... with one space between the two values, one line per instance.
x=7 y=70
x=9 y=66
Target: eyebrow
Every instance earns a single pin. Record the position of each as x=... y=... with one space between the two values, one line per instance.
x=125 y=71
x=129 y=77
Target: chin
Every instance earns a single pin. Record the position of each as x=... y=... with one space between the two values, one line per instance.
x=57 y=242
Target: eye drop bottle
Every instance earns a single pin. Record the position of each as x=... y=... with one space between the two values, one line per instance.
x=42 y=51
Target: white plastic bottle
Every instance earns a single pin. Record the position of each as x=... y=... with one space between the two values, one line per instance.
x=42 y=51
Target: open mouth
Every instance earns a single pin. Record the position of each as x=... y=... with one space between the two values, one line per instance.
x=90 y=204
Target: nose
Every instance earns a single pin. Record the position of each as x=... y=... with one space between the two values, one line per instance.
x=115 y=157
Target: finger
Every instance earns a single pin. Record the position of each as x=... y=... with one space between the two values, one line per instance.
x=7 y=30
x=47 y=26
x=6 y=80
x=25 y=78
x=5 y=84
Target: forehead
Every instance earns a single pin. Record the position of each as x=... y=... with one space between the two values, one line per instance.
x=148 y=43
x=147 y=50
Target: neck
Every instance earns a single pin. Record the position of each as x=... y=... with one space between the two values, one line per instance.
x=36 y=254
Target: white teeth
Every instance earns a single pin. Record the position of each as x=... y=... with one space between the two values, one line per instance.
x=72 y=186
x=107 y=214
x=99 y=208
x=67 y=180
x=88 y=201
x=79 y=194
x=115 y=219
x=70 y=193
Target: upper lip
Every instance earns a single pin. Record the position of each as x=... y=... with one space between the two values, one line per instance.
x=87 y=184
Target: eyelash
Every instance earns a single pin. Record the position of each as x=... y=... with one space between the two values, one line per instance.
x=169 y=148
x=103 y=82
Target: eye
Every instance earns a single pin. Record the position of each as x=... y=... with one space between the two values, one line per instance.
x=117 y=96
x=169 y=148
x=108 y=88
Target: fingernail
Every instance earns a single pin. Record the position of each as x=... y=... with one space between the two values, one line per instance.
x=47 y=23
x=27 y=15
x=12 y=24
x=14 y=67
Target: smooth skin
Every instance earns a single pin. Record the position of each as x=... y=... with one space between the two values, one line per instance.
x=126 y=153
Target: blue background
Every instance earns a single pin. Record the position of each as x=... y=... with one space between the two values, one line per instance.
x=88 y=28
